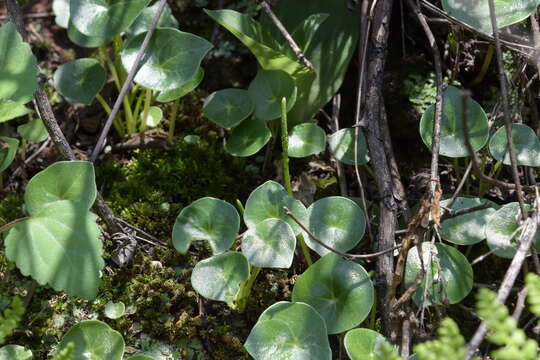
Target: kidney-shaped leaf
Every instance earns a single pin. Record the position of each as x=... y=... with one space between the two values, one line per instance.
x=267 y=202
x=104 y=17
x=228 y=107
x=18 y=69
x=267 y=90
x=34 y=130
x=210 y=219
x=526 y=145
x=80 y=80
x=363 y=344
x=306 y=139
x=342 y=145
x=270 y=244
x=59 y=246
x=340 y=290
x=219 y=277
x=171 y=95
x=15 y=352
x=172 y=59
x=336 y=221
x=452 y=134
x=94 y=340
x=248 y=138
x=63 y=180
x=155 y=115
x=143 y=22
x=114 y=310
x=289 y=331
x=11 y=110
x=8 y=149
x=503 y=231
x=449 y=276
x=476 y=12
x=470 y=228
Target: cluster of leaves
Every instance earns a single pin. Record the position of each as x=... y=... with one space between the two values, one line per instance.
x=10 y=319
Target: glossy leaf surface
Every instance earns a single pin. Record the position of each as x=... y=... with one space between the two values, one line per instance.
x=33 y=131
x=267 y=201
x=342 y=146
x=15 y=352
x=80 y=80
x=94 y=340
x=340 y=290
x=363 y=344
x=114 y=310
x=306 y=139
x=86 y=41
x=289 y=331
x=143 y=22
x=526 y=145
x=171 y=95
x=219 y=277
x=172 y=59
x=267 y=90
x=336 y=221
x=18 y=66
x=449 y=276
x=270 y=244
x=155 y=115
x=209 y=219
x=228 y=107
x=452 y=134
x=61 y=12
x=248 y=138
x=11 y=110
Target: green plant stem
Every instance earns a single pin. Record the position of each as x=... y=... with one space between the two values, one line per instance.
x=457 y=169
x=146 y=109
x=137 y=109
x=287 y=174
x=240 y=207
x=117 y=124
x=369 y=170
x=23 y=149
x=245 y=289
x=11 y=224
x=172 y=121
x=485 y=65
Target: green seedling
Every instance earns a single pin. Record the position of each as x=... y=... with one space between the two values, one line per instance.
x=526 y=145
x=114 y=310
x=337 y=221
x=363 y=344
x=341 y=144
x=289 y=331
x=503 y=231
x=470 y=228
x=452 y=135
x=476 y=12
x=67 y=256
x=448 y=278
x=340 y=290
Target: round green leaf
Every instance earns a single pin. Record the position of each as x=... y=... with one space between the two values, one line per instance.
x=61 y=12
x=306 y=139
x=63 y=180
x=363 y=344
x=219 y=277
x=18 y=70
x=155 y=115
x=336 y=221
x=114 y=310
x=449 y=276
x=289 y=331
x=15 y=352
x=452 y=134
x=94 y=340
x=171 y=95
x=526 y=145
x=341 y=145
x=210 y=219
x=267 y=90
x=502 y=231
x=104 y=17
x=267 y=202
x=11 y=110
x=82 y=40
x=172 y=59
x=476 y=12
x=143 y=22
x=470 y=228
x=80 y=80
x=228 y=107
x=270 y=244
x=340 y=290
x=33 y=131
x=59 y=246
x=8 y=149
x=248 y=138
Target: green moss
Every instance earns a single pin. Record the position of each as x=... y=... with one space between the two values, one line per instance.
x=11 y=208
